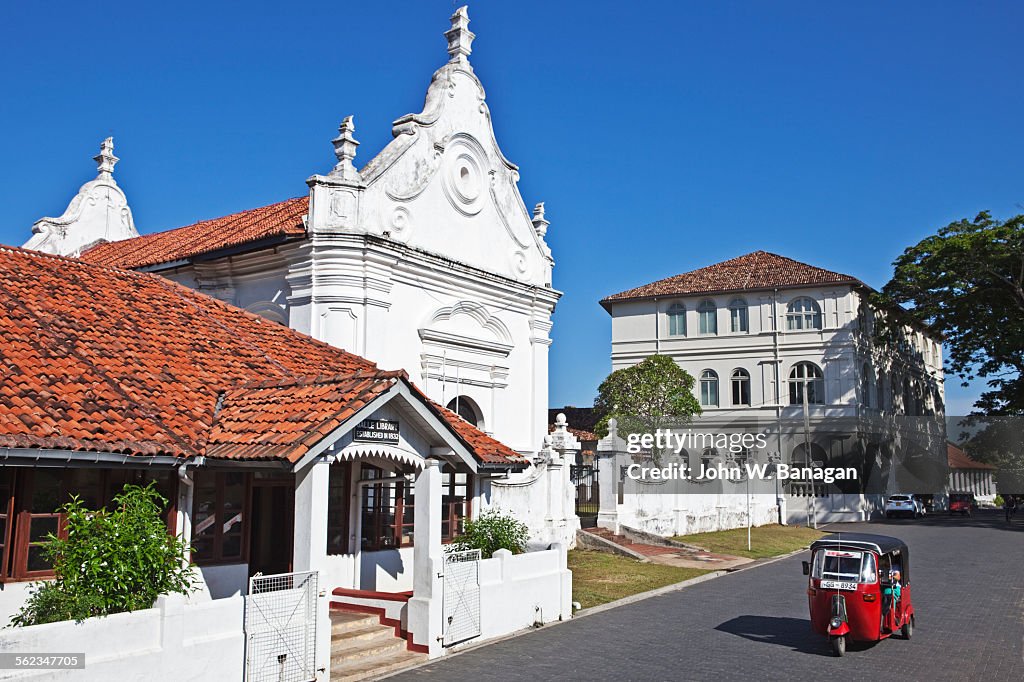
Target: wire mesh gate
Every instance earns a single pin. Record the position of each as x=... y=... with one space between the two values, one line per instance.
x=280 y=627
x=461 y=609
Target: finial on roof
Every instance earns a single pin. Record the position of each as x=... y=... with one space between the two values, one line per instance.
x=540 y=224
x=106 y=159
x=345 y=149
x=460 y=38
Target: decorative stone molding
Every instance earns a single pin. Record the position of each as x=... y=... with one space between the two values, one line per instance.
x=98 y=213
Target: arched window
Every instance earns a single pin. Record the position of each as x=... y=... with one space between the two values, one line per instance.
x=740 y=387
x=738 y=321
x=708 y=315
x=880 y=391
x=467 y=409
x=708 y=388
x=806 y=374
x=803 y=313
x=865 y=384
x=677 y=320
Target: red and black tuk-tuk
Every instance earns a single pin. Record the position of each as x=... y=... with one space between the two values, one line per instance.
x=859 y=588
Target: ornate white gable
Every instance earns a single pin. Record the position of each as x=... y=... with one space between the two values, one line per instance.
x=99 y=212
x=442 y=185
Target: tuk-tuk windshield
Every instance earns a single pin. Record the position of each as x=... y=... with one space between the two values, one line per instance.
x=833 y=564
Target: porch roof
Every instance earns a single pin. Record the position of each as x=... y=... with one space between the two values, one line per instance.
x=98 y=359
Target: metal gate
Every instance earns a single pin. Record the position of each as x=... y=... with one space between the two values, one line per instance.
x=461 y=609
x=588 y=496
x=280 y=627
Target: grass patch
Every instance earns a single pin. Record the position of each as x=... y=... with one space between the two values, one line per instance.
x=765 y=541
x=600 y=577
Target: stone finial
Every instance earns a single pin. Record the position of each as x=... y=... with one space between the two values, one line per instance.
x=560 y=421
x=345 y=149
x=460 y=38
x=105 y=159
x=540 y=225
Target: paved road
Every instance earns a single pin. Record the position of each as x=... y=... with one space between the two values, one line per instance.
x=968 y=593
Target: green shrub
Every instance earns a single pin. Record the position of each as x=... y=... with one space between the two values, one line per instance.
x=492 y=531
x=999 y=501
x=110 y=561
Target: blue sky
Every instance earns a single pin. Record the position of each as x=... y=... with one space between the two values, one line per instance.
x=663 y=136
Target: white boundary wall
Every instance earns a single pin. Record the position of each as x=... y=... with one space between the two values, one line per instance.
x=518 y=591
x=174 y=641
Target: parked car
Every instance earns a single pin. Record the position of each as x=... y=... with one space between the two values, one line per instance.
x=898 y=505
x=962 y=503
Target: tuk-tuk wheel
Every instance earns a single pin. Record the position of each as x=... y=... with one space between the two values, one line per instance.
x=838 y=645
x=908 y=628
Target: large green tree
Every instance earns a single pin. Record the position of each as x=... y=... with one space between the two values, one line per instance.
x=967 y=282
x=655 y=394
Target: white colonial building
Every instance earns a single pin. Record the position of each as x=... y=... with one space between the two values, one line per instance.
x=756 y=332
x=424 y=265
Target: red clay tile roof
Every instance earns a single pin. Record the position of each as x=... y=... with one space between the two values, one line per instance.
x=108 y=360
x=580 y=434
x=958 y=459
x=486 y=449
x=284 y=419
x=283 y=219
x=757 y=270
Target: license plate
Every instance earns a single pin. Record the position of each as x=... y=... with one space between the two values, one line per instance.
x=838 y=585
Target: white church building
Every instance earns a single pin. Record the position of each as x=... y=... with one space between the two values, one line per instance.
x=759 y=333
x=424 y=262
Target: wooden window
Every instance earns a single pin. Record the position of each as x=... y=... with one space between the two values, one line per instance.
x=708 y=388
x=338 y=508
x=456 y=497
x=738 y=319
x=38 y=501
x=740 y=387
x=707 y=316
x=388 y=508
x=803 y=313
x=219 y=522
x=677 y=320
x=30 y=500
x=6 y=518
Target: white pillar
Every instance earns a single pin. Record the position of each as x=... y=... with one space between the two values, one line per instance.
x=309 y=551
x=428 y=591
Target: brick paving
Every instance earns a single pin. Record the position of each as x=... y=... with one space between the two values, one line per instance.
x=968 y=578
x=672 y=555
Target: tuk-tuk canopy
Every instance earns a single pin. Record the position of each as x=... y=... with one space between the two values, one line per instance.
x=882 y=544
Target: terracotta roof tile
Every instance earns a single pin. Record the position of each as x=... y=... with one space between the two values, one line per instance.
x=283 y=219
x=958 y=459
x=754 y=271
x=101 y=359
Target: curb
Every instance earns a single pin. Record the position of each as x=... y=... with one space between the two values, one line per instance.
x=640 y=596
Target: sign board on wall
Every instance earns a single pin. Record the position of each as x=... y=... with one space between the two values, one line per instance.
x=376 y=431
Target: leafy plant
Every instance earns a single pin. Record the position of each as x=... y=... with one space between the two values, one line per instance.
x=967 y=282
x=492 y=531
x=110 y=561
x=655 y=394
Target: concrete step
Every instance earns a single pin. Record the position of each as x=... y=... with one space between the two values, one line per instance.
x=346 y=651
x=374 y=667
x=344 y=621
x=365 y=635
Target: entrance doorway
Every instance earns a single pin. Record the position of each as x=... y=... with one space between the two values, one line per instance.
x=271 y=526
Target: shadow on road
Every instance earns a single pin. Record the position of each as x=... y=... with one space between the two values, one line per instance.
x=794 y=633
